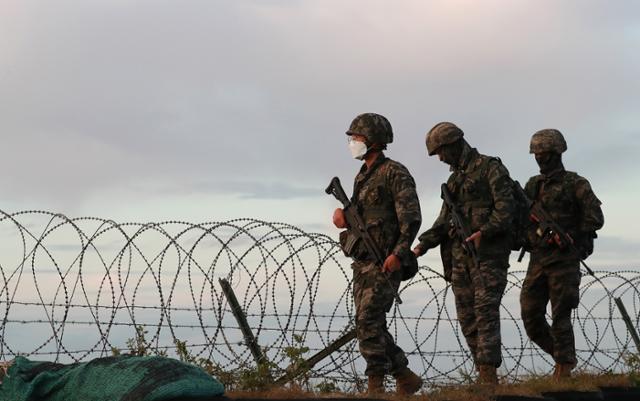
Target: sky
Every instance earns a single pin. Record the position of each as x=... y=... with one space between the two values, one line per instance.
x=213 y=110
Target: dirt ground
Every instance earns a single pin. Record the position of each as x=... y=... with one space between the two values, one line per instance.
x=531 y=387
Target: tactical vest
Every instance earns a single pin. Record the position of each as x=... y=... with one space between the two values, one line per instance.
x=376 y=205
x=559 y=200
x=473 y=197
x=472 y=192
x=375 y=202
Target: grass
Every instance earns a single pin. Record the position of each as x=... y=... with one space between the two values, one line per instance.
x=255 y=382
x=531 y=386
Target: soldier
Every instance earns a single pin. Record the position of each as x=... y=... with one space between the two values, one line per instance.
x=385 y=196
x=483 y=195
x=554 y=268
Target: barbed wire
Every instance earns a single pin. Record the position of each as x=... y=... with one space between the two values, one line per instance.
x=73 y=289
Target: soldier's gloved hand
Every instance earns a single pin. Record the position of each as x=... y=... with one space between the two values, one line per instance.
x=391 y=264
x=475 y=237
x=338 y=218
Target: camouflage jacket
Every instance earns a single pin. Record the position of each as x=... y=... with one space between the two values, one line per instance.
x=570 y=201
x=483 y=192
x=386 y=198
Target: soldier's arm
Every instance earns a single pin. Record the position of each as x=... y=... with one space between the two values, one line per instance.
x=529 y=226
x=407 y=206
x=591 y=217
x=530 y=189
x=503 y=201
x=436 y=234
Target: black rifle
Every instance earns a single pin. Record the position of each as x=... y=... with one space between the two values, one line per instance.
x=547 y=227
x=356 y=225
x=462 y=230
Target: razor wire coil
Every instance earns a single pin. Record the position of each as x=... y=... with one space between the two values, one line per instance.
x=72 y=289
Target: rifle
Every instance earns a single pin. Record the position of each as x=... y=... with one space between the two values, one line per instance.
x=547 y=227
x=462 y=230
x=357 y=226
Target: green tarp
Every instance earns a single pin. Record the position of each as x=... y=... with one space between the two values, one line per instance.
x=118 y=378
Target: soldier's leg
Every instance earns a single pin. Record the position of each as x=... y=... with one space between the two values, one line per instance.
x=395 y=354
x=564 y=291
x=373 y=297
x=488 y=294
x=534 y=297
x=464 y=296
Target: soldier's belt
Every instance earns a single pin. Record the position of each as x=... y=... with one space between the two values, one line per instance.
x=372 y=214
x=476 y=204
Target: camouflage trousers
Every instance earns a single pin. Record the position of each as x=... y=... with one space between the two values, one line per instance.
x=560 y=284
x=478 y=292
x=373 y=297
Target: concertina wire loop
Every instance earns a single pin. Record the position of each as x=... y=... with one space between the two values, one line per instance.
x=73 y=288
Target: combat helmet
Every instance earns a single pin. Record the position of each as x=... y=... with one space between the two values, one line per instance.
x=441 y=134
x=547 y=140
x=374 y=127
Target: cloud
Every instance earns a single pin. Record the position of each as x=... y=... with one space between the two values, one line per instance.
x=253 y=98
x=275 y=190
x=614 y=253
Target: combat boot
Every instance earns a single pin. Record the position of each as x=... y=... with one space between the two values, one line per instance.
x=375 y=384
x=407 y=382
x=487 y=375
x=562 y=371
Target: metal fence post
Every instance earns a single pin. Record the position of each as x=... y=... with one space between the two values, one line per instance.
x=249 y=339
x=294 y=371
x=629 y=323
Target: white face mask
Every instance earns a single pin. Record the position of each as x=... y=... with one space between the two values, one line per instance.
x=358 y=149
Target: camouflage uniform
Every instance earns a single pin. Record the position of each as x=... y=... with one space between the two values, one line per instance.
x=483 y=191
x=386 y=198
x=553 y=273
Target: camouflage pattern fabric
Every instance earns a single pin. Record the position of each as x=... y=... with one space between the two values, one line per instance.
x=547 y=140
x=553 y=273
x=483 y=192
x=441 y=134
x=558 y=283
x=374 y=127
x=373 y=296
x=570 y=201
x=478 y=293
x=386 y=198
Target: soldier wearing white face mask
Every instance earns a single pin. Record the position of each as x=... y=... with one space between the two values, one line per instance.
x=384 y=194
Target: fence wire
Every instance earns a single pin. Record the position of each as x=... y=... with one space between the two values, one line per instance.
x=73 y=289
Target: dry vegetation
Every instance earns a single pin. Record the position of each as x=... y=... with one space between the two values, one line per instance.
x=533 y=386
x=256 y=382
